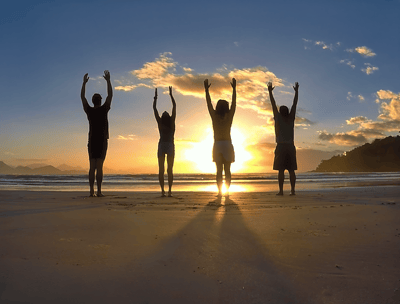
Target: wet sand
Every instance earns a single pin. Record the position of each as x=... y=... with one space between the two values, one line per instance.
x=325 y=246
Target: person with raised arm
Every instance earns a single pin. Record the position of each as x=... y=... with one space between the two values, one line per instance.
x=223 y=152
x=98 y=132
x=166 y=128
x=285 y=152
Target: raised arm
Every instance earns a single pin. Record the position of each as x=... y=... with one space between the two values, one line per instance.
x=233 y=105
x=296 y=98
x=83 y=90
x=173 y=116
x=156 y=115
x=272 y=99
x=109 y=88
x=208 y=98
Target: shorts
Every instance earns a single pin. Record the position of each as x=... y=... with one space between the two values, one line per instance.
x=223 y=152
x=166 y=148
x=285 y=157
x=97 y=148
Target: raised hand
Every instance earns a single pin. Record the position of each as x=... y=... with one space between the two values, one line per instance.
x=296 y=87
x=155 y=94
x=170 y=91
x=206 y=85
x=86 y=78
x=270 y=87
x=106 y=75
x=233 y=83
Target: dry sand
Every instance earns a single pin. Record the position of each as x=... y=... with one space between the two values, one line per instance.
x=325 y=246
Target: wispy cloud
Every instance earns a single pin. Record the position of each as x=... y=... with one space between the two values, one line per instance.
x=348 y=62
x=320 y=43
x=252 y=83
x=127 y=137
x=363 y=51
x=369 y=69
x=367 y=129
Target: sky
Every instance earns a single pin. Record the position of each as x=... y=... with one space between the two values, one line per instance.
x=344 y=54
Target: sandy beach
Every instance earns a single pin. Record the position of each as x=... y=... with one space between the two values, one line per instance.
x=325 y=246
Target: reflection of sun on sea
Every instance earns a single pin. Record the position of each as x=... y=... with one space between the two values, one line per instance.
x=201 y=152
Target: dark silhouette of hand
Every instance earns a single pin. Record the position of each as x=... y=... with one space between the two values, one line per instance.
x=206 y=85
x=270 y=87
x=170 y=91
x=86 y=78
x=106 y=75
x=155 y=94
x=296 y=87
x=233 y=83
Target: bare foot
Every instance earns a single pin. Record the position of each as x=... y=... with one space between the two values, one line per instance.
x=279 y=193
x=99 y=194
x=91 y=195
x=163 y=194
x=169 y=194
x=292 y=193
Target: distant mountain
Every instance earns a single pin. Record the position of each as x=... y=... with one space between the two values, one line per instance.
x=43 y=170
x=34 y=166
x=382 y=155
x=65 y=167
x=5 y=169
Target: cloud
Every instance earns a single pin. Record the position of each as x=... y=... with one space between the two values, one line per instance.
x=321 y=44
x=127 y=137
x=236 y=43
x=348 y=62
x=367 y=129
x=342 y=138
x=303 y=122
x=389 y=111
x=351 y=96
x=128 y=88
x=363 y=51
x=369 y=69
x=251 y=89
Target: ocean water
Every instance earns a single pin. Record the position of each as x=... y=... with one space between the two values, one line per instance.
x=197 y=182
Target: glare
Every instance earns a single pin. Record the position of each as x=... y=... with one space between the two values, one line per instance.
x=232 y=188
x=201 y=152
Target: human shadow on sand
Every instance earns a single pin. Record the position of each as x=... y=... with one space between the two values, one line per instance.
x=215 y=258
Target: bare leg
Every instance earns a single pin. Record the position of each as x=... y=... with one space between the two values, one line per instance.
x=161 y=170
x=99 y=175
x=292 y=182
x=92 y=162
x=281 y=179
x=170 y=162
x=228 y=177
x=219 y=177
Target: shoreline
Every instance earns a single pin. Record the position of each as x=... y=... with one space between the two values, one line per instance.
x=320 y=246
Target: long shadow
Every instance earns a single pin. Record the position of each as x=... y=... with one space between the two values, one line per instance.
x=215 y=258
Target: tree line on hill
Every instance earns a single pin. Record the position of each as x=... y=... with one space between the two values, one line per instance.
x=382 y=155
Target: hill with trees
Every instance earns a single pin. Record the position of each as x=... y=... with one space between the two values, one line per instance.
x=382 y=155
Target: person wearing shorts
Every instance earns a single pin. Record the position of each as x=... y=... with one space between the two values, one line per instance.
x=166 y=146
x=285 y=152
x=98 y=132
x=223 y=152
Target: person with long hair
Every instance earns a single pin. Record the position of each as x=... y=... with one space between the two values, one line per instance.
x=223 y=152
x=166 y=128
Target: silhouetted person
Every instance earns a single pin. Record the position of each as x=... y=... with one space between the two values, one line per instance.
x=223 y=153
x=166 y=127
x=285 y=152
x=98 y=131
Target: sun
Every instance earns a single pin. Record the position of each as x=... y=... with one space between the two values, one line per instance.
x=201 y=152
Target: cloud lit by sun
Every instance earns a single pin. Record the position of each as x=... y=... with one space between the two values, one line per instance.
x=201 y=152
